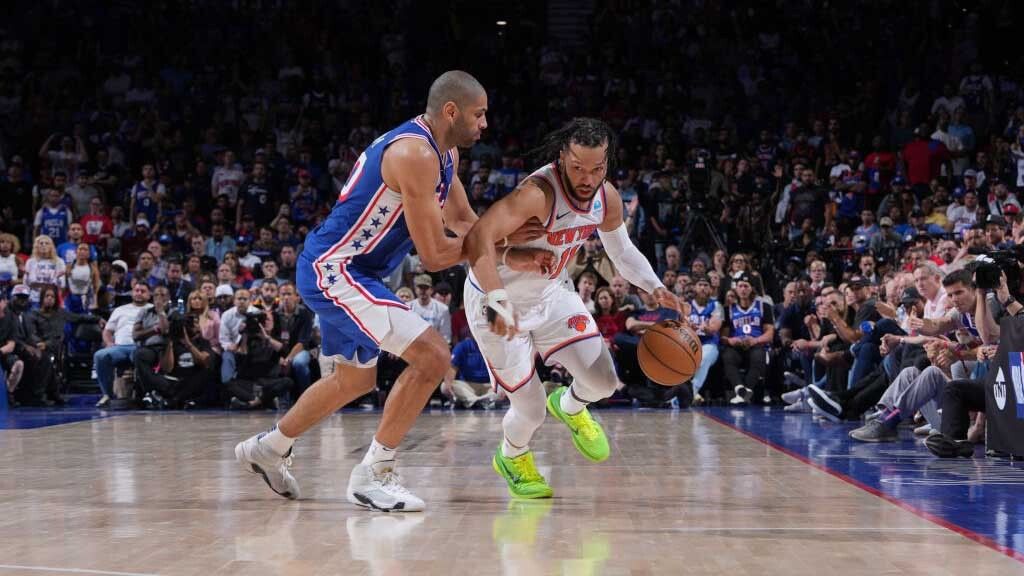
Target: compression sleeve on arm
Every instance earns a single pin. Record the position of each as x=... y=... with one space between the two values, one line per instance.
x=628 y=260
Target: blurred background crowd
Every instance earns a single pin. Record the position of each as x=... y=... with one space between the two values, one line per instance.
x=802 y=171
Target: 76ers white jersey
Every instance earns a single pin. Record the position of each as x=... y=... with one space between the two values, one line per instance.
x=567 y=228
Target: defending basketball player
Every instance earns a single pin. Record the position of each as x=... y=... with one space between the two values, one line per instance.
x=404 y=190
x=512 y=314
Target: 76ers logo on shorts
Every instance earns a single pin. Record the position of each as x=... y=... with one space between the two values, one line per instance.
x=578 y=322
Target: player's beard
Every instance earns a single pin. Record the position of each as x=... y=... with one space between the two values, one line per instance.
x=572 y=189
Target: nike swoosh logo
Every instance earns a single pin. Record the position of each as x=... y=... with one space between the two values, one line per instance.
x=562 y=215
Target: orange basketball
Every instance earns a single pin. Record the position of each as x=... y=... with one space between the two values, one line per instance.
x=669 y=353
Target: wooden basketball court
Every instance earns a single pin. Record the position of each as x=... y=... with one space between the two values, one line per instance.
x=684 y=492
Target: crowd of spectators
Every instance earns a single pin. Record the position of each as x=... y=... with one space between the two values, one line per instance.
x=803 y=176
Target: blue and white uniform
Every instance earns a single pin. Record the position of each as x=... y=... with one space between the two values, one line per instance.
x=339 y=273
x=747 y=322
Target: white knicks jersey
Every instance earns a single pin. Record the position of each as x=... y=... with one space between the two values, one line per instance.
x=568 y=227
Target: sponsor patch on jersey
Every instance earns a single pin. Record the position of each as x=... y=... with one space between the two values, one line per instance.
x=578 y=322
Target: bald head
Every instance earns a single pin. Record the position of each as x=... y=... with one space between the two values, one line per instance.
x=453 y=86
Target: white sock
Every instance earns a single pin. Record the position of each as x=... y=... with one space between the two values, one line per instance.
x=378 y=453
x=510 y=451
x=277 y=441
x=569 y=403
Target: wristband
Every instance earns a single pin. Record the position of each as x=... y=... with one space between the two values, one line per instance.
x=497 y=301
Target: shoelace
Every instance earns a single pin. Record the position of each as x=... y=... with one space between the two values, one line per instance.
x=585 y=425
x=392 y=482
x=527 y=473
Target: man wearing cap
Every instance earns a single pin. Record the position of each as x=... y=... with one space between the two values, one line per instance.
x=223 y=298
x=995 y=232
x=852 y=330
x=1000 y=198
x=118 y=341
x=433 y=312
x=887 y=240
x=246 y=259
x=303 y=197
x=747 y=335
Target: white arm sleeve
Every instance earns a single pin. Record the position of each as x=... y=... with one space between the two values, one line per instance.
x=628 y=260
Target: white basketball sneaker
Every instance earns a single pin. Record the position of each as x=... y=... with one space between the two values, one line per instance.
x=379 y=487
x=259 y=459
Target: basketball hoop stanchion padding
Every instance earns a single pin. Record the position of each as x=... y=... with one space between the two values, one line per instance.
x=1004 y=390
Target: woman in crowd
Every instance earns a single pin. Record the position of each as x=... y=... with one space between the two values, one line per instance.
x=609 y=320
x=8 y=257
x=44 y=268
x=193 y=269
x=83 y=282
x=209 y=319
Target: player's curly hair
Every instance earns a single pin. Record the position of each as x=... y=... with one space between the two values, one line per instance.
x=588 y=132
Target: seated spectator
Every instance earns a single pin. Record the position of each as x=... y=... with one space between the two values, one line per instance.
x=706 y=317
x=178 y=288
x=44 y=268
x=11 y=367
x=629 y=370
x=208 y=318
x=242 y=275
x=286 y=269
x=468 y=382
x=585 y=286
x=118 y=344
x=150 y=333
x=610 y=322
x=625 y=299
x=224 y=297
x=592 y=258
x=83 y=282
x=37 y=345
x=269 y=270
x=746 y=338
x=232 y=324
x=247 y=260
x=267 y=296
x=433 y=312
x=293 y=326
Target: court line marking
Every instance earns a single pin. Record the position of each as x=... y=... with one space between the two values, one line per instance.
x=71 y=570
x=788 y=529
x=965 y=532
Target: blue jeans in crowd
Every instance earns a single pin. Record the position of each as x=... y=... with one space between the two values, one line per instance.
x=300 y=371
x=709 y=355
x=866 y=352
x=227 y=367
x=106 y=360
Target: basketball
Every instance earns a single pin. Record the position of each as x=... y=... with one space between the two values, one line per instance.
x=669 y=353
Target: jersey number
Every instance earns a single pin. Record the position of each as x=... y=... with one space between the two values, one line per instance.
x=566 y=256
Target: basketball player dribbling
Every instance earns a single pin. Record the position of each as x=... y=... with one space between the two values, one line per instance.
x=404 y=190
x=513 y=315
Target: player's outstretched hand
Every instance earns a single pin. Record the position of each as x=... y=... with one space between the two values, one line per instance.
x=530 y=230
x=669 y=300
x=535 y=260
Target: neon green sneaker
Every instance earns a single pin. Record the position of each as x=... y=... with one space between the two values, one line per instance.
x=524 y=481
x=587 y=434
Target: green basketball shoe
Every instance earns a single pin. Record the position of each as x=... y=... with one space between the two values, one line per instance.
x=524 y=481
x=587 y=434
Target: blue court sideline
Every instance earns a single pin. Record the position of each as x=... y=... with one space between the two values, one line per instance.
x=980 y=498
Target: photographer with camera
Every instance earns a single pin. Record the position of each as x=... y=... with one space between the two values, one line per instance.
x=258 y=354
x=186 y=365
